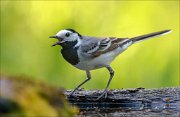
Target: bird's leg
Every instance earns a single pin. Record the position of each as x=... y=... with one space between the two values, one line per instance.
x=88 y=78
x=111 y=71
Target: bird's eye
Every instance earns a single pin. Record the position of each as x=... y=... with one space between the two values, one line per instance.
x=67 y=34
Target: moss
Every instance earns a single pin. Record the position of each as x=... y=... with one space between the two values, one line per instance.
x=10 y=108
x=34 y=98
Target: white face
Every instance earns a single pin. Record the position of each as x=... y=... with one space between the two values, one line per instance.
x=67 y=35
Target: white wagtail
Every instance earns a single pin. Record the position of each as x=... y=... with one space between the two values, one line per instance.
x=89 y=53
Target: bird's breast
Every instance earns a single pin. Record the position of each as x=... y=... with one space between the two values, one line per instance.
x=70 y=55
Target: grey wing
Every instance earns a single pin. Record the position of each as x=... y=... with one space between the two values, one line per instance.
x=96 y=47
x=90 y=44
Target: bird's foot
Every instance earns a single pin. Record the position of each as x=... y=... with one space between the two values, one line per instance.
x=71 y=94
x=103 y=94
x=77 y=89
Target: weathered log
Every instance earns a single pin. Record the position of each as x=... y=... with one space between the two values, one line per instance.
x=129 y=102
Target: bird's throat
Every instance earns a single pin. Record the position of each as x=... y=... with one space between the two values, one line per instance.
x=69 y=52
x=68 y=44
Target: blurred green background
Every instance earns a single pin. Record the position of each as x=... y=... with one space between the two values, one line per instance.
x=26 y=48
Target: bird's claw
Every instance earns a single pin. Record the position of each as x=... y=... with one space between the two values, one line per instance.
x=103 y=94
x=71 y=93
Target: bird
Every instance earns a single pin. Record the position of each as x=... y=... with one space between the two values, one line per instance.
x=89 y=53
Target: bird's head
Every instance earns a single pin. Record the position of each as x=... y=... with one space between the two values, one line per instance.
x=67 y=35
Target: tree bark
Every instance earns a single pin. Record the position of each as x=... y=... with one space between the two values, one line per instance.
x=123 y=101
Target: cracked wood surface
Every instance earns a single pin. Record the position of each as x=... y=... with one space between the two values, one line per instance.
x=140 y=101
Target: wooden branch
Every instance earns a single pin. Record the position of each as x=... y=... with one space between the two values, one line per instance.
x=152 y=101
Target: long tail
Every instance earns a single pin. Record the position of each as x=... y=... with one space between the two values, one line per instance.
x=147 y=36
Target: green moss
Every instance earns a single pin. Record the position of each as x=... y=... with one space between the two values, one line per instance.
x=34 y=98
x=10 y=108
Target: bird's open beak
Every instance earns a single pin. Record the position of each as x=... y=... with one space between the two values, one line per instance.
x=57 y=43
x=53 y=37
